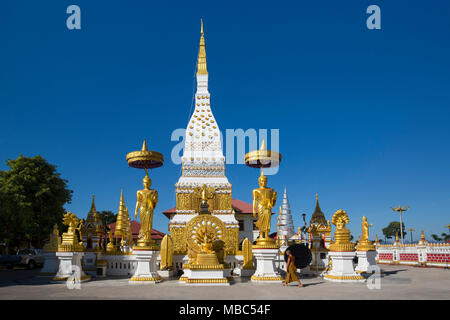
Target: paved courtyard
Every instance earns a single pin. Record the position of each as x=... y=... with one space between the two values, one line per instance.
x=398 y=282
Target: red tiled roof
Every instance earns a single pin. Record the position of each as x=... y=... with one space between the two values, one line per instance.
x=239 y=206
x=135 y=227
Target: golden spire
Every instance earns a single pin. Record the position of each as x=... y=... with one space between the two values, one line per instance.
x=201 y=61
x=93 y=209
x=122 y=218
x=144 y=146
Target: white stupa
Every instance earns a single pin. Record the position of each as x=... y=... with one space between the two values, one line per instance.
x=285 y=223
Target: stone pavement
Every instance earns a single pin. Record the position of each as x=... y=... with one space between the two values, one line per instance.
x=398 y=282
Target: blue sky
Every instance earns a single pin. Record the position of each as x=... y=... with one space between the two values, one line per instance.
x=363 y=114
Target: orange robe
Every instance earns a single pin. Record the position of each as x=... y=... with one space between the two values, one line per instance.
x=291 y=268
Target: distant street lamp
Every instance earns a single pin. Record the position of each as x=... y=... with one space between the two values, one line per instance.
x=400 y=210
x=411 y=231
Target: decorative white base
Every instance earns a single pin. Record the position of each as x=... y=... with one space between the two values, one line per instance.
x=342 y=269
x=365 y=259
x=266 y=272
x=145 y=271
x=51 y=265
x=70 y=266
x=205 y=277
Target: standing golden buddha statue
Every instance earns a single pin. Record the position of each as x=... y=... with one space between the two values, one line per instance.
x=263 y=198
x=263 y=201
x=147 y=199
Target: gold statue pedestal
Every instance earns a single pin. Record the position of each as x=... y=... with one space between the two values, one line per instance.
x=265 y=255
x=70 y=267
x=146 y=270
x=366 y=254
x=204 y=275
x=342 y=270
x=51 y=264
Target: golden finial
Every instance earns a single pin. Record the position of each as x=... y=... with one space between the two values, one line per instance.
x=144 y=146
x=263 y=145
x=201 y=61
x=93 y=209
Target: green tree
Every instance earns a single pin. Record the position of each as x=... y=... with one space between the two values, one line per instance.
x=108 y=216
x=32 y=199
x=443 y=237
x=392 y=229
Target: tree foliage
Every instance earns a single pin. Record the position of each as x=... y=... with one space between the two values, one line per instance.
x=108 y=216
x=32 y=199
x=443 y=237
x=392 y=229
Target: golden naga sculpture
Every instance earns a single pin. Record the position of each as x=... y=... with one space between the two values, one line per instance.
x=70 y=241
x=55 y=240
x=263 y=201
x=342 y=234
x=147 y=199
x=247 y=253
x=110 y=247
x=166 y=253
x=204 y=243
x=364 y=244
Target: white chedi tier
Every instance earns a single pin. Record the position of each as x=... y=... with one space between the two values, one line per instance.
x=285 y=222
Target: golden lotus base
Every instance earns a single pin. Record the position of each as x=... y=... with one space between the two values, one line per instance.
x=365 y=246
x=277 y=278
x=146 y=279
x=344 y=278
x=342 y=247
x=146 y=247
x=207 y=281
x=266 y=243
x=204 y=266
x=207 y=259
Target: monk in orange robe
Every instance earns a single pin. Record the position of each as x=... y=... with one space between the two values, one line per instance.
x=290 y=271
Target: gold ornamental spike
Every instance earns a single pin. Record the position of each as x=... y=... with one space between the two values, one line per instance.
x=263 y=146
x=144 y=146
x=201 y=61
x=93 y=209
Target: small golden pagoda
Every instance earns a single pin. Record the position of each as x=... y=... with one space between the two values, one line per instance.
x=122 y=220
x=92 y=229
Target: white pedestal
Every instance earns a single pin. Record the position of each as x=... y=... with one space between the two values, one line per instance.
x=365 y=259
x=70 y=266
x=342 y=269
x=51 y=264
x=266 y=272
x=146 y=271
x=206 y=277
